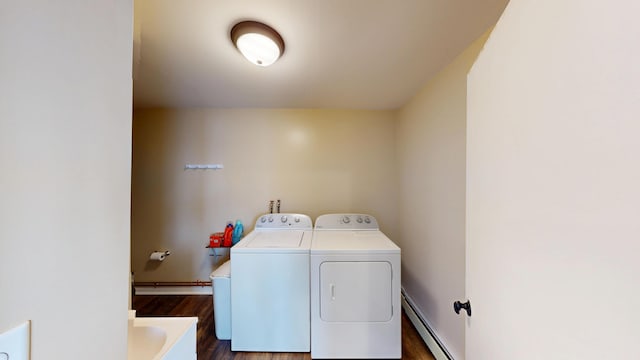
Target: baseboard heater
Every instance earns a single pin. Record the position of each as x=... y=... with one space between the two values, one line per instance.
x=172 y=288
x=424 y=329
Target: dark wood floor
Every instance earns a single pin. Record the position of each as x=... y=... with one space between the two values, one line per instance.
x=209 y=347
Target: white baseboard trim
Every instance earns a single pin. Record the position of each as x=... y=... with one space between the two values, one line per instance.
x=424 y=329
x=173 y=290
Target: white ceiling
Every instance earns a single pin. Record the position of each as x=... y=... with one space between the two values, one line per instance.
x=354 y=54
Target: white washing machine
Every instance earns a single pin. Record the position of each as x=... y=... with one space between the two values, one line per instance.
x=270 y=286
x=355 y=290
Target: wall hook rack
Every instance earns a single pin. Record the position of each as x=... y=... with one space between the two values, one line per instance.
x=203 y=167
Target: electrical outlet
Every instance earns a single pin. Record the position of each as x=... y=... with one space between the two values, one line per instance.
x=15 y=343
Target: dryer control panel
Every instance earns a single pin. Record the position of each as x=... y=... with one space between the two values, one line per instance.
x=281 y=221
x=346 y=222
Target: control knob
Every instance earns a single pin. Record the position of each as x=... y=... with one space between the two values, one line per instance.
x=346 y=220
x=283 y=219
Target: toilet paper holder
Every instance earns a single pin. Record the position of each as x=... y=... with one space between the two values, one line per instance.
x=159 y=255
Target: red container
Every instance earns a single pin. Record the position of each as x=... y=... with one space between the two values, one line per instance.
x=215 y=240
x=228 y=233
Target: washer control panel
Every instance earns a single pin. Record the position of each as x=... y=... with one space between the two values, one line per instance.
x=284 y=221
x=346 y=222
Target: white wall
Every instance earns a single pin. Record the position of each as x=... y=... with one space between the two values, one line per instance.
x=553 y=183
x=314 y=161
x=431 y=139
x=65 y=140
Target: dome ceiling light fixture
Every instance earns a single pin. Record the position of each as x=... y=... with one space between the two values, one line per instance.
x=259 y=43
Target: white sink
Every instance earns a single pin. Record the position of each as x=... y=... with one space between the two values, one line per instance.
x=167 y=338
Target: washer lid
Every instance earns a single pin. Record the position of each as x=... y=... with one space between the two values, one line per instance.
x=359 y=241
x=276 y=239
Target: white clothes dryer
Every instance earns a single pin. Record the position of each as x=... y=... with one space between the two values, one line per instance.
x=270 y=286
x=355 y=290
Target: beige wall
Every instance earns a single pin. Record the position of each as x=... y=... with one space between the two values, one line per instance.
x=65 y=149
x=553 y=175
x=431 y=145
x=314 y=161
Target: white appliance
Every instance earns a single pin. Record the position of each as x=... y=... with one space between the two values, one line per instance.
x=355 y=290
x=221 y=290
x=270 y=286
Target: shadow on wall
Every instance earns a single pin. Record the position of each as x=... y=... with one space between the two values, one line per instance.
x=422 y=296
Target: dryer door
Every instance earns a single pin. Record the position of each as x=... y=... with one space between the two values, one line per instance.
x=355 y=291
